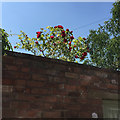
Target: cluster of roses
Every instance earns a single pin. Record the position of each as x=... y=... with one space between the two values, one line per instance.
x=65 y=40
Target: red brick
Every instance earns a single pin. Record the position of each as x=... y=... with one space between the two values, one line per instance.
x=58 y=106
x=16 y=75
x=39 y=77
x=84 y=114
x=110 y=86
x=19 y=105
x=7 y=89
x=5 y=104
x=51 y=85
x=27 y=90
x=57 y=79
x=61 y=92
x=71 y=75
x=32 y=113
x=52 y=114
x=40 y=91
x=8 y=59
x=8 y=113
x=25 y=97
x=74 y=94
x=25 y=69
x=71 y=114
x=7 y=81
x=10 y=67
x=70 y=87
x=51 y=99
x=73 y=107
x=20 y=82
x=85 y=77
x=101 y=74
x=19 y=89
x=35 y=84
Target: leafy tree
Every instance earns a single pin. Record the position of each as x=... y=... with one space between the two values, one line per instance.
x=6 y=45
x=104 y=43
x=55 y=42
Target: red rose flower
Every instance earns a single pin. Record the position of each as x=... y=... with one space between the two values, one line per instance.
x=74 y=45
x=76 y=56
x=36 y=42
x=55 y=27
x=70 y=48
x=84 y=54
x=63 y=32
x=14 y=46
x=65 y=40
x=71 y=32
x=54 y=43
x=40 y=50
x=51 y=37
x=38 y=34
x=63 y=35
x=67 y=29
x=71 y=37
x=84 y=38
x=70 y=43
x=82 y=58
x=60 y=26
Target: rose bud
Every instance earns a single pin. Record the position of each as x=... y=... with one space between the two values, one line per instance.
x=14 y=46
x=36 y=42
x=74 y=45
x=63 y=35
x=70 y=43
x=82 y=58
x=84 y=38
x=67 y=29
x=70 y=48
x=51 y=37
x=71 y=32
x=55 y=27
x=76 y=56
x=84 y=54
x=54 y=43
x=65 y=40
x=71 y=37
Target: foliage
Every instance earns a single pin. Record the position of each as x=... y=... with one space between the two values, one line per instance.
x=55 y=42
x=6 y=45
x=104 y=43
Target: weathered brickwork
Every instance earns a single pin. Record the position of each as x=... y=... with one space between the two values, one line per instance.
x=37 y=87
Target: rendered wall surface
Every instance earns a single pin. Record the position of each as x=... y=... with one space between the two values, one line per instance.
x=37 y=87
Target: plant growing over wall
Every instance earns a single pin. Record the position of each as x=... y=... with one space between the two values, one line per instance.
x=6 y=45
x=55 y=42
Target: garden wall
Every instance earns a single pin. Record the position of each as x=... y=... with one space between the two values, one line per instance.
x=37 y=87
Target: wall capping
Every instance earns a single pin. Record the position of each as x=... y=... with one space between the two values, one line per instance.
x=51 y=60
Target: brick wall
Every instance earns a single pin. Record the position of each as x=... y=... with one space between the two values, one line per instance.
x=37 y=87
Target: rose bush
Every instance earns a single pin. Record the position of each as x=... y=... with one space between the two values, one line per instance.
x=55 y=42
